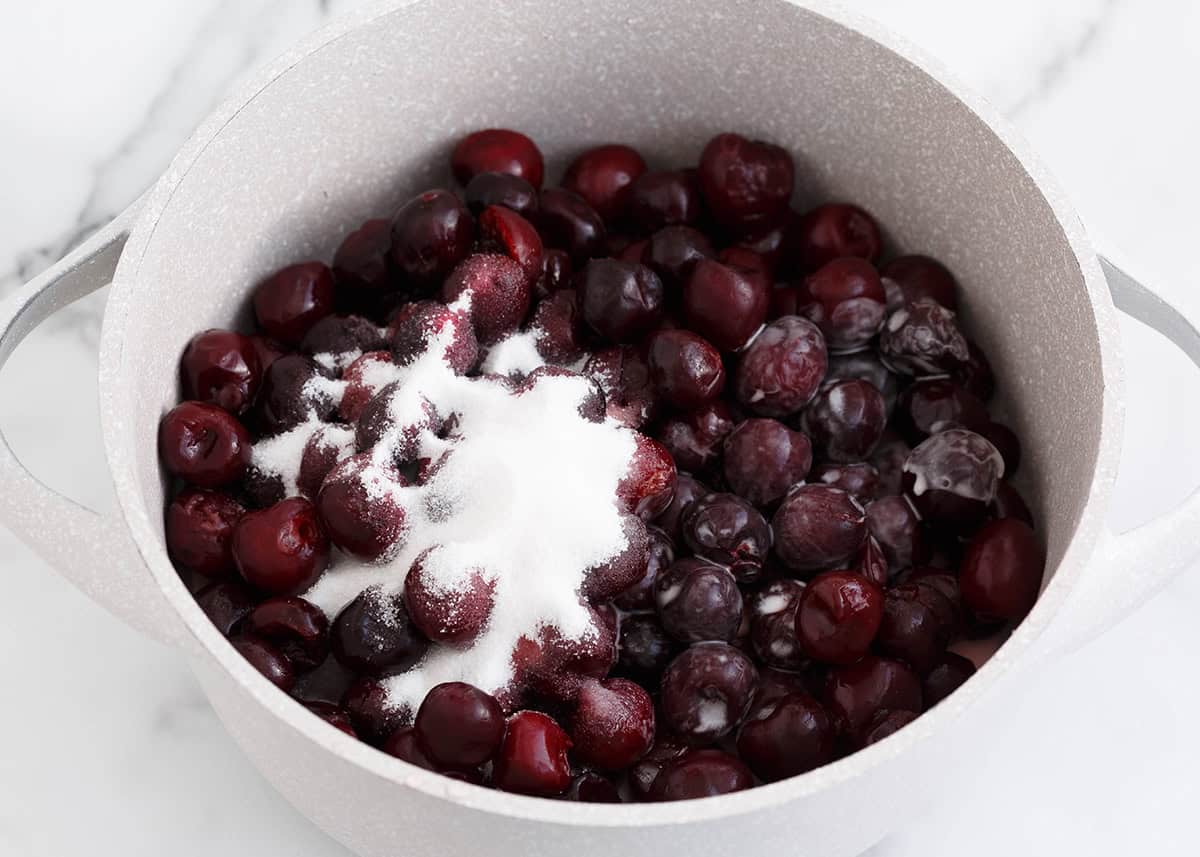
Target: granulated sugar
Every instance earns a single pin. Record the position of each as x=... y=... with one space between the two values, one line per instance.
x=283 y=454
x=516 y=355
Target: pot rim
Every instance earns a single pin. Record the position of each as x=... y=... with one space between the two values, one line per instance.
x=120 y=451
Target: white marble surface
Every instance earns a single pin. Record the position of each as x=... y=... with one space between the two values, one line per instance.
x=108 y=746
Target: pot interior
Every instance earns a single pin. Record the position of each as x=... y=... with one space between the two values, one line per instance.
x=369 y=119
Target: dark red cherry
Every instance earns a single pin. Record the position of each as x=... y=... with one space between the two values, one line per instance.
x=687 y=490
x=1007 y=444
x=203 y=444
x=283 y=548
x=221 y=368
x=817 y=526
x=913 y=629
x=932 y=405
x=497 y=291
x=860 y=480
x=785 y=737
x=706 y=692
x=497 y=150
x=700 y=774
x=834 y=230
x=452 y=615
x=226 y=604
x=845 y=420
x=685 y=368
x=642 y=775
x=897 y=528
x=726 y=305
x=949 y=674
x=838 y=617
x=674 y=250
x=357 y=506
x=333 y=715
x=459 y=726
x=620 y=301
x=504 y=231
x=533 y=758
x=922 y=277
x=567 y=222
x=697 y=601
x=644 y=649
x=427 y=324
x=664 y=198
x=360 y=263
x=431 y=233
x=886 y=723
x=764 y=459
x=268 y=660
x=624 y=569
x=613 y=725
x=292 y=392
x=590 y=787
x=848 y=302
x=746 y=183
x=773 y=625
x=403 y=745
x=649 y=483
x=293 y=299
x=510 y=191
x=1001 y=571
x=855 y=693
x=298 y=628
x=373 y=634
x=603 y=176
x=199 y=531
x=728 y=530
x=782 y=369
x=922 y=338
x=695 y=438
x=629 y=394
x=951 y=478
x=372 y=712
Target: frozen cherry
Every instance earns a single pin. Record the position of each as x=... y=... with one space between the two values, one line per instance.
x=785 y=737
x=674 y=250
x=378 y=421
x=773 y=625
x=625 y=379
x=764 y=458
x=848 y=302
x=603 y=176
x=567 y=222
x=373 y=634
x=686 y=370
x=687 y=490
x=360 y=263
x=886 y=723
x=340 y=334
x=897 y=528
x=648 y=485
x=775 y=684
x=932 y=405
x=699 y=774
x=845 y=420
x=225 y=604
x=556 y=327
x=371 y=711
x=1001 y=572
x=283 y=548
x=706 y=692
x=947 y=676
x=293 y=299
x=533 y=757
x=291 y=393
x=659 y=553
x=860 y=480
x=431 y=233
x=613 y=725
x=922 y=338
x=781 y=370
x=459 y=726
x=855 y=693
x=510 y=191
x=590 y=787
x=502 y=230
x=838 y=617
x=726 y=529
x=817 y=526
x=497 y=150
x=296 y=627
x=199 y=531
x=952 y=478
x=620 y=301
x=622 y=570
x=203 y=444
x=497 y=290
x=922 y=277
x=451 y=611
x=834 y=230
x=664 y=198
x=698 y=601
x=430 y=324
x=726 y=305
x=361 y=378
x=695 y=438
x=268 y=660
x=221 y=368
x=644 y=649
x=359 y=509
x=866 y=366
x=560 y=666
x=746 y=183
x=888 y=460
x=912 y=629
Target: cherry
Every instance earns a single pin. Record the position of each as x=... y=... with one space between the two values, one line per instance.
x=556 y=327
x=1001 y=572
x=888 y=460
x=431 y=233
x=378 y=421
x=613 y=725
x=225 y=604
x=533 y=758
x=358 y=507
x=838 y=616
x=497 y=150
x=497 y=290
x=567 y=222
x=620 y=301
x=726 y=305
x=644 y=649
x=687 y=489
x=895 y=525
x=268 y=660
x=429 y=324
x=459 y=726
x=700 y=774
x=848 y=302
x=764 y=458
x=298 y=628
x=673 y=250
x=454 y=613
x=685 y=368
x=624 y=377
x=785 y=737
x=773 y=625
x=952 y=477
x=932 y=405
x=374 y=718
x=199 y=531
x=293 y=299
x=866 y=366
x=886 y=723
x=404 y=746
x=268 y=351
x=835 y=230
x=291 y=393
x=373 y=634
x=590 y=787
x=698 y=601
x=781 y=370
x=860 y=480
x=360 y=377
x=913 y=629
x=919 y=277
x=283 y=548
x=333 y=715
x=512 y=192
x=845 y=420
x=855 y=693
x=623 y=570
x=556 y=272
x=220 y=367
x=746 y=183
x=726 y=529
x=643 y=773
x=561 y=666
x=818 y=527
x=1007 y=444
x=695 y=438
x=870 y=563
x=360 y=263
x=603 y=176
x=949 y=674
x=341 y=334
x=922 y=338
x=706 y=692
x=774 y=684
x=203 y=444
x=504 y=231
x=771 y=244
x=648 y=485
x=664 y=198
x=1008 y=503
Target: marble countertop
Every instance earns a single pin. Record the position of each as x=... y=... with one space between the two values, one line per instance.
x=110 y=747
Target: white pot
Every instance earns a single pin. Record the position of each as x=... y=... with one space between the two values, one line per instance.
x=363 y=114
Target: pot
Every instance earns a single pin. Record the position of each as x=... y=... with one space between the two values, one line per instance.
x=363 y=114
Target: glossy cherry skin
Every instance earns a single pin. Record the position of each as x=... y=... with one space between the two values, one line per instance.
x=845 y=420
x=782 y=369
x=848 y=302
x=922 y=338
x=764 y=459
x=613 y=725
x=221 y=368
x=499 y=293
x=203 y=444
x=268 y=660
x=360 y=263
x=298 y=628
x=835 y=230
x=687 y=490
x=629 y=394
x=897 y=528
x=860 y=480
x=431 y=233
x=504 y=231
x=817 y=526
x=497 y=150
x=602 y=176
x=403 y=745
x=838 y=617
x=913 y=629
x=226 y=604
x=706 y=692
x=773 y=625
x=886 y=723
x=283 y=548
x=854 y=694
x=697 y=601
x=375 y=719
x=293 y=299
x=359 y=517
x=724 y=304
x=726 y=529
x=785 y=737
x=685 y=368
x=620 y=301
x=459 y=726
x=700 y=774
x=695 y=438
x=920 y=277
x=664 y=198
x=931 y=405
x=373 y=634
x=1001 y=572
x=746 y=183
x=199 y=531
x=533 y=758
x=672 y=252
x=649 y=483
x=946 y=676
x=644 y=649
x=513 y=192
x=567 y=222
x=867 y=366
x=590 y=787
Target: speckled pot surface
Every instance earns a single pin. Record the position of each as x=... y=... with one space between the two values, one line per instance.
x=364 y=113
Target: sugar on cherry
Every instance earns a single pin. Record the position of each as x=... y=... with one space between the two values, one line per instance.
x=374 y=635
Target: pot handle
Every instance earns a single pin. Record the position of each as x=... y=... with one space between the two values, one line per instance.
x=1128 y=568
x=90 y=549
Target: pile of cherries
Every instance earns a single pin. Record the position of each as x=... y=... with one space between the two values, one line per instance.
x=823 y=495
